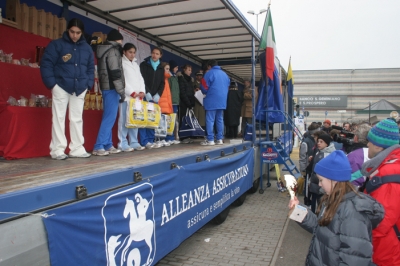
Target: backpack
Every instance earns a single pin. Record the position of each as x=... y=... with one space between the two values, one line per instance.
x=376 y=182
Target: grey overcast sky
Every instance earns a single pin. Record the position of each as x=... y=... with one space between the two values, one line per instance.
x=326 y=34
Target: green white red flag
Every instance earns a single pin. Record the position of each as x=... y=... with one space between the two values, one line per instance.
x=267 y=42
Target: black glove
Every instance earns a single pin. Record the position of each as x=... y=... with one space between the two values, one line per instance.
x=122 y=99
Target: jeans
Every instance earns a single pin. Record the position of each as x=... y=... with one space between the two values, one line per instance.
x=110 y=111
x=123 y=131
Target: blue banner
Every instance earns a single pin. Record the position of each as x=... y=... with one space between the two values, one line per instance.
x=140 y=224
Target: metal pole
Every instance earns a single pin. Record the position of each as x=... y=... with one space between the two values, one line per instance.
x=369 y=113
x=253 y=85
x=257 y=21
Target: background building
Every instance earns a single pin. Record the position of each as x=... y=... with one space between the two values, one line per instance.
x=340 y=94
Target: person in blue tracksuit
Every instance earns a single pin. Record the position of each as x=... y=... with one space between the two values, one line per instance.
x=67 y=68
x=215 y=85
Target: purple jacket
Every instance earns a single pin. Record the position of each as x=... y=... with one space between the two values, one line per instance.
x=356 y=159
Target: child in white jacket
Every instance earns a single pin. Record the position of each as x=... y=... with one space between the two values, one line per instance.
x=134 y=88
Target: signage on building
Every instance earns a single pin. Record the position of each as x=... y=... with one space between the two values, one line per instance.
x=323 y=101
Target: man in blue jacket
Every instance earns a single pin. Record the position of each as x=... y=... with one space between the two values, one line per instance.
x=67 y=68
x=215 y=85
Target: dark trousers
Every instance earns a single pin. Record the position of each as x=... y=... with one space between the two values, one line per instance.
x=231 y=132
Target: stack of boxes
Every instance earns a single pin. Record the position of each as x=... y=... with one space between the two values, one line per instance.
x=29 y=19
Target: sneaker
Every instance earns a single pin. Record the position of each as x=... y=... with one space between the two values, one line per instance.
x=113 y=150
x=60 y=157
x=171 y=142
x=84 y=155
x=157 y=145
x=129 y=149
x=101 y=152
x=207 y=143
x=165 y=143
x=187 y=141
x=149 y=145
x=175 y=141
x=219 y=142
x=139 y=148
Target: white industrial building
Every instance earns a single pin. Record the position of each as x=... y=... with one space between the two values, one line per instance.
x=338 y=94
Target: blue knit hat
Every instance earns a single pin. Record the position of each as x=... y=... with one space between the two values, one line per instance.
x=335 y=167
x=384 y=134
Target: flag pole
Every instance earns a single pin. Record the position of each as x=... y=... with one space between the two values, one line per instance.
x=266 y=78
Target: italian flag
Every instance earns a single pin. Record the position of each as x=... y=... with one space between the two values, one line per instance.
x=268 y=43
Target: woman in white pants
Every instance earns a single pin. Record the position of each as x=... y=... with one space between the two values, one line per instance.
x=67 y=68
x=134 y=88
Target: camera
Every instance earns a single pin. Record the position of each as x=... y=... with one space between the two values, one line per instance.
x=345 y=137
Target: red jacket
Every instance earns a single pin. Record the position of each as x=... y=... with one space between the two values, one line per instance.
x=386 y=245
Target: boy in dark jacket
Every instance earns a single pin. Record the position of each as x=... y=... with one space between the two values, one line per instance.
x=153 y=75
x=112 y=85
x=67 y=68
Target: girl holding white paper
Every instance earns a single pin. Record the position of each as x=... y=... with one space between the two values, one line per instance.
x=343 y=223
x=134 y=88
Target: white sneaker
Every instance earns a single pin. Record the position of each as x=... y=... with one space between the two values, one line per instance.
x=175 y=141
x=129 y=149
x=113 y=150
x=157 y=145
x=100 y=152
x=149 y=145
x=159 y=142
x=171 y=142
x=207 y=143
x=139 y=148
x=219 y=142
x=166 y=144
x=83 y=155
x=60 y=157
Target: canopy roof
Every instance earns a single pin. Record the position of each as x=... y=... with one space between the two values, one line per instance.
x=200 y=30
x=383 y=105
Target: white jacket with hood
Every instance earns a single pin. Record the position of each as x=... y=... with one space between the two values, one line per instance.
x=133 y=78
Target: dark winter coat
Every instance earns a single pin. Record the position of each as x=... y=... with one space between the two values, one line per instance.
x=69 y=65
x=174 y=86
x=314 y=187
x=186 y=91
x=153 y=79
x=347 y=238
x=306 y=150
x=233 y=107
x=109 y=67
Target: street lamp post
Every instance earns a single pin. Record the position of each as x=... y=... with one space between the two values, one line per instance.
x=369 y=113
x=251 y=12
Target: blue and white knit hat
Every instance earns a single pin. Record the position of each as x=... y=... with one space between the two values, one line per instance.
x=384 y=134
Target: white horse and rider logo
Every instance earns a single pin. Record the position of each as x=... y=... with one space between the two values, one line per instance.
x=130 y=227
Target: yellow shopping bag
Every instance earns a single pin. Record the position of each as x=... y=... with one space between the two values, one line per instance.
x=153 y=114
x=136 y=113
x=171 y=124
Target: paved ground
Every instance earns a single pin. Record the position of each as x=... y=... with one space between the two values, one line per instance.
x=256 y=233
